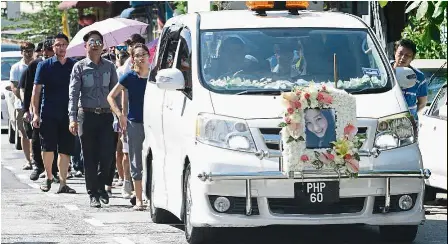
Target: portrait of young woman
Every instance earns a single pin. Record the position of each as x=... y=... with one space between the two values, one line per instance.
x=320 y=129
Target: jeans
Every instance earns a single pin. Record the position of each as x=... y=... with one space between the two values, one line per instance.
x=77 y=159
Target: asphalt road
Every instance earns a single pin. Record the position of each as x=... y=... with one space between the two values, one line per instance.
x=30 y=216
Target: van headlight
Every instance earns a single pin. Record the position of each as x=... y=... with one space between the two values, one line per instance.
x=395 y=131
x=224 y=132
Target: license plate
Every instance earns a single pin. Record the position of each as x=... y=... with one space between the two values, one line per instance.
x=320 y=192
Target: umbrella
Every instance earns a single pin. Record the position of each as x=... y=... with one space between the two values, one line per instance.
x=114 y=31
x=152 y=46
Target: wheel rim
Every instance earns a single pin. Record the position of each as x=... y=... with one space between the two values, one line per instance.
x=188 y=227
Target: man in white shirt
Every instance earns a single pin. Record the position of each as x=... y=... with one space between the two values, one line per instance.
x=17 y=69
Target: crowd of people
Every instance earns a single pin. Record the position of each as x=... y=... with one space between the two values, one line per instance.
x=83 y=116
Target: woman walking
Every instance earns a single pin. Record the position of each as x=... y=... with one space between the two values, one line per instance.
x=132 y=124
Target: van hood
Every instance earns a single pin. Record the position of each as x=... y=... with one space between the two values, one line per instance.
x=268 y=106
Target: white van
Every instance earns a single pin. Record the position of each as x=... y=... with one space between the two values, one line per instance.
x=212 y=153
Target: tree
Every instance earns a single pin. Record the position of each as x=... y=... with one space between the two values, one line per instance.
x=47 y=22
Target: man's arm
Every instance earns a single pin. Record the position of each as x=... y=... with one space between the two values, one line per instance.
x=13 y=77
x=113 y=83
x=124 y=102
x=22 y=87
x=422 y=95
x=35 y=98
x=421 y=103
x=74 y=91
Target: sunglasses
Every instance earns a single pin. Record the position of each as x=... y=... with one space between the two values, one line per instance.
x=121 y=48
x=95 y=43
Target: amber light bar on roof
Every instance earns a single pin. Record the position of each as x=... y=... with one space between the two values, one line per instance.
x=277 y=5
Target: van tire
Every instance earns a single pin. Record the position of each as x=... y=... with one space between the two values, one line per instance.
x=398 y=233
x=158 y=215
x=197 y=235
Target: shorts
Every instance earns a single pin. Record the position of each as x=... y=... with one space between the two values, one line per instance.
x=19 y=120
x=55 y=136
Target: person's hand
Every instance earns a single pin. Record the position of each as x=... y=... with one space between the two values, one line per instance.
x=73 y=128
x=36 y=121
x=27 y=117
x=123 y=122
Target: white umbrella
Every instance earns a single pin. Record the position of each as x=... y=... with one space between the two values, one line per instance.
x=114 y=31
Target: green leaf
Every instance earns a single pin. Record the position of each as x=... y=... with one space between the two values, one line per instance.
x=383 y=3
x=414 y=5
x=421 y=11
x=434 y=33
x=301 y=138
x=290 y=139
x=282 y=124
x=439 y=8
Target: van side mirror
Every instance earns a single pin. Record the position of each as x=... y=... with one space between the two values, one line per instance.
x=170 y=79
x=406 y=77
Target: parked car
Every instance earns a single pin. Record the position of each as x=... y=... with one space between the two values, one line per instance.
x=433 y=144
x=9 y=113
x=212 y=140
x=435 y=71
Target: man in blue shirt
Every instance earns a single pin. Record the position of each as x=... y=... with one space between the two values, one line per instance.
x=417 y=96
x=53 y=79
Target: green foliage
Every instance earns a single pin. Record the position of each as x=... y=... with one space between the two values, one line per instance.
x=47 y=22
x=432 y=14
x=427 y=48
x=181 y=6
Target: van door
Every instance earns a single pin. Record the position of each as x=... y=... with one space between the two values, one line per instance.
x=153 y=124
x=176 y=123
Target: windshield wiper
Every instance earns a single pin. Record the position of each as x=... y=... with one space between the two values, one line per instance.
x=265 y=92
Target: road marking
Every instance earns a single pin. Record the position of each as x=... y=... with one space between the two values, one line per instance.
x=22 y=176
x=10 y=168
x=94 y=222
x=33 y=185
x=71 y=207
x=123 y=240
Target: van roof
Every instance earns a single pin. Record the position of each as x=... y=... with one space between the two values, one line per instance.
x=238 y=19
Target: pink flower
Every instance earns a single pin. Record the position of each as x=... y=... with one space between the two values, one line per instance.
x=288 y=120
x=324 y=98
x=326 y=158
x=290 y=110
x=304 y=158
x=324 y=87
x=320 y=97
x=298 y=92
x=352 y=165
x=297 y=104
x=348 y=156
x=350 y=131
x=307 y=96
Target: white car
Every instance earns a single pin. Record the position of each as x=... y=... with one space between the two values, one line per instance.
x=194 y=106
x=9 y=113
x=432 y=140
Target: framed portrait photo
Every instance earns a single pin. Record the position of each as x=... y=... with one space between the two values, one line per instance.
x=320 y=127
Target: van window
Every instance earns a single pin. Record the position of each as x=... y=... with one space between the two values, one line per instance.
x=184 y=60
x=439 y=106
x=234 y=61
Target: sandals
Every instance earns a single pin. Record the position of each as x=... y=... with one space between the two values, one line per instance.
x=46 y=185
x=139 y=208
x=66 y=189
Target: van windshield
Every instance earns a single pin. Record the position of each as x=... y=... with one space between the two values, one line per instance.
x=241 y=60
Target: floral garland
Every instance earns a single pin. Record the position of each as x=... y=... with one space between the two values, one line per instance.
x=343 y=155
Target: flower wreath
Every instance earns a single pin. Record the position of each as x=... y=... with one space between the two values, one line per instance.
x=342 y=156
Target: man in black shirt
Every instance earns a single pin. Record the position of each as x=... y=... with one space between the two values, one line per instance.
x=26 y=85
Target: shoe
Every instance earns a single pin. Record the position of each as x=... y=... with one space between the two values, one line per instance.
x=78 y=174
x=126 y=191
x=104 y=196
x=35 y=174
x=27 y=166
x=133 y=201
x=95 y=202
x=118 y=183
x=46 y=185
x=109 y=193
x=69 y=175
x=66 y=189
x=138 y=208
x=42 y=175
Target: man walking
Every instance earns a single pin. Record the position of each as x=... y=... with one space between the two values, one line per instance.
x=26 y=85
x=53 y=79
x=416 y=96
x=17 y=69
x=91 y=81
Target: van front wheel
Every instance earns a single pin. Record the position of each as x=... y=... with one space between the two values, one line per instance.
x=194 y=235
x=399 y=233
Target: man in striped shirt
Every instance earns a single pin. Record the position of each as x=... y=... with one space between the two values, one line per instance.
x=417 y=96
